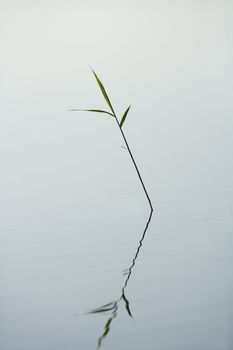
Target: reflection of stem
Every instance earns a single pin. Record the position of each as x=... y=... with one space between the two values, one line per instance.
x=113 y=306
x=137 y=252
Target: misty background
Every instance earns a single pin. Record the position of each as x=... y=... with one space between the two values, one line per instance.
x=71 y=207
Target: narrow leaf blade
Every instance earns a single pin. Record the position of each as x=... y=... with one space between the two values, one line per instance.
x=127 y=305
x=90 y=110
x=103 y=91
x=103 y=308
x=124 y=117
x=97 y=311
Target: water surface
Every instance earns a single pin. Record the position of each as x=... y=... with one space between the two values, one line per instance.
x=72 y=209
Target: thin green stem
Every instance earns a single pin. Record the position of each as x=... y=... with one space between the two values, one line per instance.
x=134 y=163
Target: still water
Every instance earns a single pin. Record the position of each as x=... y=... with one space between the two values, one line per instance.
x=77 y=268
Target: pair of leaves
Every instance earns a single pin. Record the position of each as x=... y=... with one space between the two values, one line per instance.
x=107 y=326
x=111 y=308
x=108 y=103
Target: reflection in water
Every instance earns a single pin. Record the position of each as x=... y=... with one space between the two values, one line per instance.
x=112 y=307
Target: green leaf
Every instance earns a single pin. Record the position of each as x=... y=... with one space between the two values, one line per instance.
x=91 y=110
x=124 y=117
x=103 y=91
x=127 y=305
x=104 y=308
x=107 y=328
x=100 y=310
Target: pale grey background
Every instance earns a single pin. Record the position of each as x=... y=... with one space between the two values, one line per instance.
x=71 y=207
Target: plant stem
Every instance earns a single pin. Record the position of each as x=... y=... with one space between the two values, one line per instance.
x=134 y=163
